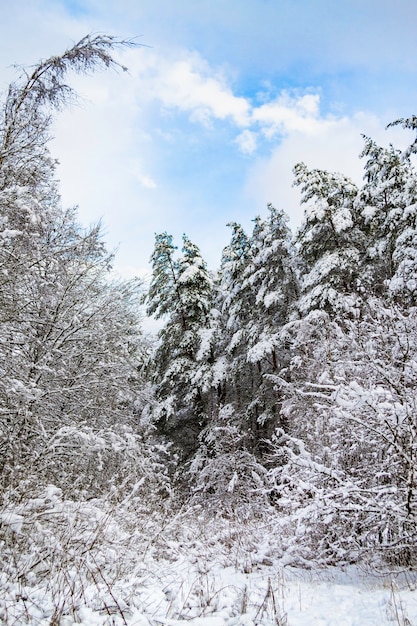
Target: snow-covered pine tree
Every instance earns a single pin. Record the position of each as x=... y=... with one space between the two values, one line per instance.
x=258 y=288
x=257 y=292
x=224 y=471
x=181 y=291
x=330 y=243
x=236 y=302
x=386 y=202
x=343 y=468
x=271 y=277
x=402 y=280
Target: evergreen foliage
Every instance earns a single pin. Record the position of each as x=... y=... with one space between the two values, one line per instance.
x=181 y=291
x=385 y=202
x=330 y=243
x=314 y=352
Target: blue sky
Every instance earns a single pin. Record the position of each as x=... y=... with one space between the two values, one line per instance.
x=224 y=99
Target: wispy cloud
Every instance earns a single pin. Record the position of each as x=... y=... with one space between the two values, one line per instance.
x=137 y=170
x=187 y=83
x=289 y=113
x=206 y=94
x=247 y=142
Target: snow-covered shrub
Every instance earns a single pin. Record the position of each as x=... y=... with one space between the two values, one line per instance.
x=344 y=469
x=65 y=561
x=226 y=478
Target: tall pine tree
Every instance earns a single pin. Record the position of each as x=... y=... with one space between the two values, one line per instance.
x=181 y=292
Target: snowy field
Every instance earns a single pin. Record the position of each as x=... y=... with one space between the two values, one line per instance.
x=270 y=596
x=67 y=563
x=184 y=592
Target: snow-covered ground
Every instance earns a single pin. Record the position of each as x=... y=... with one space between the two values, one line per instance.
x=273 y=596
x=65 y=563
x=270 y=596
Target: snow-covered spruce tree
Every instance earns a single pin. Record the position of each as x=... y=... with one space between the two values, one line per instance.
x=70 y=342
x=330 y=243
x=387 y=203
x=257 y=293
x=235 y=301
x=403 y=283
x=272 y=278
x=181 y=291
x=224 y=468
x=260 y=289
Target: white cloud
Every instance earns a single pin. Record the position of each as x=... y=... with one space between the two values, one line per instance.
x=147 y=181
x=247 y=142
x=185 y=82
x=289 y=113
x=137 y=170
x=190 y=85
